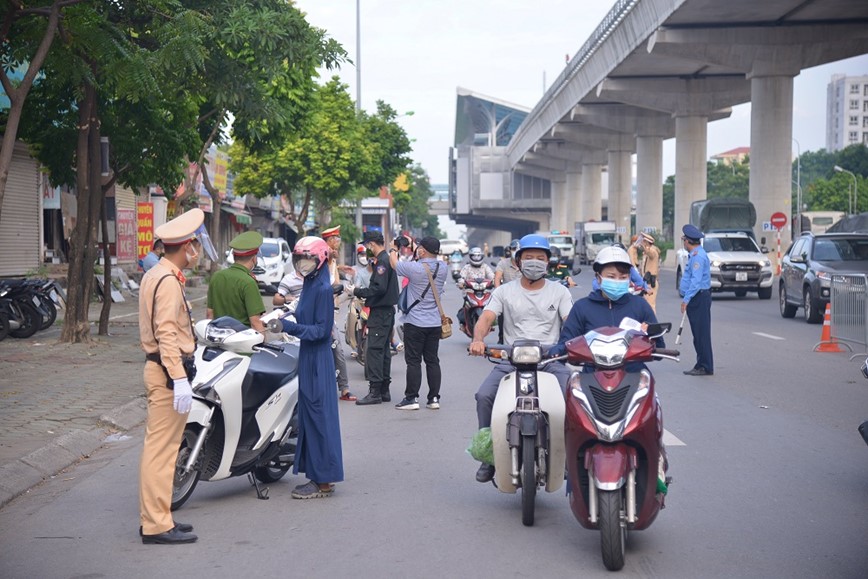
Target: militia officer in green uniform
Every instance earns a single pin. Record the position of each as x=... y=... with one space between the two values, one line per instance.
x=233 y=291
x=558 y=271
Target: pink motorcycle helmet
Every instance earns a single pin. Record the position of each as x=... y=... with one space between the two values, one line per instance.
x=313 y=248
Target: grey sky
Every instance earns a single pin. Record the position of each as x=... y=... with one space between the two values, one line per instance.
x=415 y=54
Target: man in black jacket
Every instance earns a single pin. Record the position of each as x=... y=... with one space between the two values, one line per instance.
x=381 y=296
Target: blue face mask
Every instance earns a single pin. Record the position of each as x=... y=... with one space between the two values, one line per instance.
x=615 y=289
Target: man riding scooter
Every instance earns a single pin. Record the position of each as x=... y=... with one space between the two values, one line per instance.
x=475 y=270
x=534 y=309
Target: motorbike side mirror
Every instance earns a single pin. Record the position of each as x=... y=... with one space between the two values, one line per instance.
x=657 y=330
x=577 y=271
x=865 y=368
x=338 y=288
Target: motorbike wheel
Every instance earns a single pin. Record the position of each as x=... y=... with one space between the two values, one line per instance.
x=275 y=470
x=528 y=479
x=30 y=322
x=184 y=483
x=50 y=315
x=4 y=326
x=613 y=534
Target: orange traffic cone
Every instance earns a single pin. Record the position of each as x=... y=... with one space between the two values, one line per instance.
x=827 y=342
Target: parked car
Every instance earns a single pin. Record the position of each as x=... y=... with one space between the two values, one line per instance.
x=737 y=265
x=450 y=246
x=273 y=262
x=808 y=266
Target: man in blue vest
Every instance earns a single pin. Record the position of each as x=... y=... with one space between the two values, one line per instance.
x=695 y=292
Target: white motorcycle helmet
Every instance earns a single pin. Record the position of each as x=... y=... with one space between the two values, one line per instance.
x=610 y=255
x=476 y=257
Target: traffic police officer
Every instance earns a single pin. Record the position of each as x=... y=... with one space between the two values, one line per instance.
x=381 y=296
x=695 y=290
x=650 y=268
x=166 y=333
x=233 y=291
x=332 y=237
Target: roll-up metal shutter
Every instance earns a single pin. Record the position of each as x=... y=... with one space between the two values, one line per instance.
x=20 y=221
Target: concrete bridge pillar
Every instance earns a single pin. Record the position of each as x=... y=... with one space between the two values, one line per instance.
x=771 y=133
x=560 y=206
x=649 y=183
x=592 y=195
x=574 y=195
x=691 y=169
x=620 y=188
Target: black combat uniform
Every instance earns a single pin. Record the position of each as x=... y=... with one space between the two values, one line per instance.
x=381 y=296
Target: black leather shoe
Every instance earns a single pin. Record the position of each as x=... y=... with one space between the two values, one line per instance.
x=173 y=537
x=385 y=394
x=485 y=473
x=183 y=527
x=698 y=372
x=373 y=397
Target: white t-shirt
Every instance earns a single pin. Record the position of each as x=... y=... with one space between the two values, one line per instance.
x=531 y=314
x=291 y=286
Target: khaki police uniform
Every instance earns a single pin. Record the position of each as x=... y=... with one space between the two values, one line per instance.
x=651 y=266
x=165 y=329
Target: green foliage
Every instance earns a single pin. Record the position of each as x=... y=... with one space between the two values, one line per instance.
x=823 y=188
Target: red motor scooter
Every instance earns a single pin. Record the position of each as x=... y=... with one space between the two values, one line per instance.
x=477 y=294
x=616 y=461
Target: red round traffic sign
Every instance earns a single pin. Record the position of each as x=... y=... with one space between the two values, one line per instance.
x=779 y=220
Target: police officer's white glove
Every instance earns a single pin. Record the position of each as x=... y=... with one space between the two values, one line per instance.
x=183 y=396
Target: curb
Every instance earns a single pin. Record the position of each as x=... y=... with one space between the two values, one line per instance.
x=19 y=476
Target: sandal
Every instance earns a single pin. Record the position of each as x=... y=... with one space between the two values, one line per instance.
x=348 y=396
x=311 y=490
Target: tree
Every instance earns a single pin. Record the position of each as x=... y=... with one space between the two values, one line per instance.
x=259 y=71
x=413 y=205
x=25 y=39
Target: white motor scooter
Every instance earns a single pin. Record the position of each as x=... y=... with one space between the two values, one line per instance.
x=527 y=426
x=243 y=416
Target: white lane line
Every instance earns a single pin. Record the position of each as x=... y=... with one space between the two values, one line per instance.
x=769 y=336
x=670 y=439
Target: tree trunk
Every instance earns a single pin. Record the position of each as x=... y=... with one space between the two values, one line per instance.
x=216 y=216
x=17 y=95
x=107 y=272
x=82 y=242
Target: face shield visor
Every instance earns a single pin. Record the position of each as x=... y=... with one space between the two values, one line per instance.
x=205 y=240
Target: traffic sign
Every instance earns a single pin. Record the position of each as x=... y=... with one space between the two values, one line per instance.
x=779 y=220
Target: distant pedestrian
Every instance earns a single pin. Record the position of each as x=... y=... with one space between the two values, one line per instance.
x=234 y=291
x=423 y=322
x=695 y=291
x=153 y=257
x=166 y=333
x=318 y=453
x=381 y=296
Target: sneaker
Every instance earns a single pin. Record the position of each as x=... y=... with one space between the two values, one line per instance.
x=434 y=403
x=408 y=404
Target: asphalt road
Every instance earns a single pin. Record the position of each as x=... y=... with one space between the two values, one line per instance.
x=771 y=480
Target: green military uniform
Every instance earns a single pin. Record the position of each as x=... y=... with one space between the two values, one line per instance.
x=233 y=291
x=559 y=271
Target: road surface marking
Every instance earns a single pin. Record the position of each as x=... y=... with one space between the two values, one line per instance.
x=670 y=439
x=769 y=336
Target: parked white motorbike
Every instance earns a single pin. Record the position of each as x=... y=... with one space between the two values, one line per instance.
x=243 y=417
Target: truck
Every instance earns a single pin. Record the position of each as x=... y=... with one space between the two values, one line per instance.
x=592 y=236
x=563 y=240
x=723 y=215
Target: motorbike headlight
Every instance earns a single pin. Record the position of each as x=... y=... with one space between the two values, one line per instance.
x=575 y=383
x=526 y=355
x=608 y=354
x=217 y=335
x=644 y=379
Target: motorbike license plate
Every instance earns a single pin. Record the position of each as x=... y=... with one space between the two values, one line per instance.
x=741 y=276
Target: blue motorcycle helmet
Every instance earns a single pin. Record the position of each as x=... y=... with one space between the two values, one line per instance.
x=533 y=241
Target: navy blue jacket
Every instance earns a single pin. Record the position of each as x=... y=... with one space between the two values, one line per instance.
x=598 y=311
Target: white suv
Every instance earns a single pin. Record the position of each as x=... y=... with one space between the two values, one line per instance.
x=273 y=262
x=737 y=265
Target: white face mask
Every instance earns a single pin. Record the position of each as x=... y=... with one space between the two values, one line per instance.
x=192 y=260
x=305 y=267
x=363 y=260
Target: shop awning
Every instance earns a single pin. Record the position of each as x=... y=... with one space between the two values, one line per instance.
x=241 y=216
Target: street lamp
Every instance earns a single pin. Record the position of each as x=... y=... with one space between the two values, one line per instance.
x=799 y=185
x=855 y=200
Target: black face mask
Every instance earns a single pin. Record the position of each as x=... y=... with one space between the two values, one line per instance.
x=369 y=253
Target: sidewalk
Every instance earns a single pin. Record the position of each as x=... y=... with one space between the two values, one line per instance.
x=59 y=402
